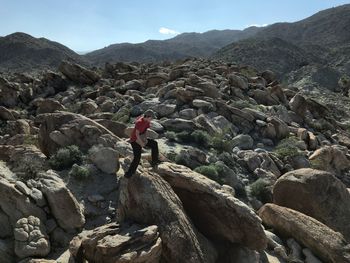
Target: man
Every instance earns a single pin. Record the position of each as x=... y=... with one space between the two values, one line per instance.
x=138 y=140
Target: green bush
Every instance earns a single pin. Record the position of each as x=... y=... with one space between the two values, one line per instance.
x=221 y=144
x=180 y=159
x=212 y=171
x=201 y=138
x=79 y=172
x=287 y=148
x=184 y=137
x=171 y=136
x=65 y=157
x=261 y=189
x=30 y=140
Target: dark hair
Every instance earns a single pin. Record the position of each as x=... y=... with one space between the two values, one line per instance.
x=149 y=113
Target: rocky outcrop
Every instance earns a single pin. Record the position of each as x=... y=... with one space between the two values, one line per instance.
x=105 y=158
x=31 y=238
x=79 y=74
x=213 y=208
x=147 y=199
x=62 y=203
x=317 y=194
x=114 y=243
x=325 y=243
x=63 y=128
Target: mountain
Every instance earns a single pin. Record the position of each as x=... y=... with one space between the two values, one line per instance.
x=320 y=42
x=22 y=52
x=182 y=46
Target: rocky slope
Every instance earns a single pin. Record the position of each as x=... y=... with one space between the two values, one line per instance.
x=253 y=171
x=22 y=52
x=320 y=42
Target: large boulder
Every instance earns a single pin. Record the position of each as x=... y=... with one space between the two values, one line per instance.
x=331 y=158
x=328 y=245
x=105 y=158
x=147 y=199
x=113 y=243
x=317 y=194
x=78 y=74
x=31 y=238
x=61 y=129
x=16 y=204
x=213 y=208
x=178 y=124
x=63 y=205
x=7 y=251
x=9 y=93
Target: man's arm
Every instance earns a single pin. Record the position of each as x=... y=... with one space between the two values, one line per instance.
x=139 y=139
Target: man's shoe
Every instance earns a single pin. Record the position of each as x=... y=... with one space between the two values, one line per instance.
x=155 y=164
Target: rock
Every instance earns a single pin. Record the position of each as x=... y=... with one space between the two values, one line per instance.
x=269 y=76
x=163 y=110
x=210 y=89
x=113 y=243
x=63 y=205
x=203 y=121
x=6 y=114
x=17 y=205
x=178 y=124
x=192 y=157
x=148 y=199
x=78 y=74
x=9 y=93
x=18 y=127
x=48 y=106
x=243 y=141
x=232 y=222
x=61 y=129
x=188 y=114
x=88 y=107
x=114 y=126
x=188 y=94
x=237 y=81
x=281 y=128
x=325 y=243
x=5 y=226
x=320 y=195
x=309 y=256
x=7 y=251
x=157 y=79
x=31 y=238
x=330 y=158
x=202 y=104
x=298 y=105
x=105 y=158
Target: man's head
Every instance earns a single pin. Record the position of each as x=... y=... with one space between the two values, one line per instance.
x=149 y=115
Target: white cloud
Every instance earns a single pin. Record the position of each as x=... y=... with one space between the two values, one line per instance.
x=257 y=25
x=167 y=31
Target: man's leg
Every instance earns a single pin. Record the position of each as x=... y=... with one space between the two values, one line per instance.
x=155 y=152
x=135 y=162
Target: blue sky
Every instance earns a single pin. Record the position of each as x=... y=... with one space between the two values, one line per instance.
x=85 y=25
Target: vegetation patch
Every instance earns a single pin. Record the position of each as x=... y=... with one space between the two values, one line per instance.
x=287 y=148
x=65 y=157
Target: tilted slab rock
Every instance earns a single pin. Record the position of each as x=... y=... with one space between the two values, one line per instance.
x=78 y=73
x=113 y=243
x=213 y=209
x=148 y=199
x=318 y=194
x=63 y=205
x=328 y=245
x=61 y=129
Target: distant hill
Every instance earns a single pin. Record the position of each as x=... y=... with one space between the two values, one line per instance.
x=22 y=52
x=319 y=41
x=182 y=46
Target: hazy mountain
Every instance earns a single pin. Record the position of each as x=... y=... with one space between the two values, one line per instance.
x=321 y=41
x=22 y=52
x=181 y=46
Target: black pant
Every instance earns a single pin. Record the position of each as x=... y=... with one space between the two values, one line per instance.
x=137 y=149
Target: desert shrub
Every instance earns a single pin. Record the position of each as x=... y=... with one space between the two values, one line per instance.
x=212 y=171
x=220 y=143
x=170 y=135
x=201 y=138
x=184 y=137
x=317 y=164
x=171 y=156
x=79 y=172
x=30 y=140
x=180 y=159
x=261 y=189
x=65 y=157
x=287 y=148
x=123 y=115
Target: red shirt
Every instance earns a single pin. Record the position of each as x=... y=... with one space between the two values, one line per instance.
x=141 y=125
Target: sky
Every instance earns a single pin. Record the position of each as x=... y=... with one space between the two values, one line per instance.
x=86 y=25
